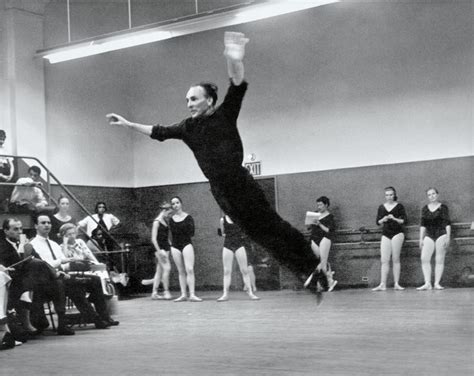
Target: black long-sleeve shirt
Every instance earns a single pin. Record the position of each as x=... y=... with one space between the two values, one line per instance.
x=214 y=139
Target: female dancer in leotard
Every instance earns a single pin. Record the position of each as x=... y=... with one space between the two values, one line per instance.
x=182 y=229
x=212 y=134
x=435 y=234
x=392 y=217
x=159 y=239
x=234 y=243
x=322 y=234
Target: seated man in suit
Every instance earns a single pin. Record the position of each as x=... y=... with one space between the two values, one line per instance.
x=30 y=277
x=49 y=251
x=21 y=288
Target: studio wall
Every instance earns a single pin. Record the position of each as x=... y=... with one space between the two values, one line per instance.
x=346 y=85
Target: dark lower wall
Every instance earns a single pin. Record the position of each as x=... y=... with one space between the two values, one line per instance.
x=355 y=194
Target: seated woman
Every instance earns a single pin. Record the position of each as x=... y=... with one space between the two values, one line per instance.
x=98 y=246
x=77 y=249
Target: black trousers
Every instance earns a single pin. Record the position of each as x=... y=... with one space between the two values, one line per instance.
x=241 y=198
x=52 y=291
x=76 y=289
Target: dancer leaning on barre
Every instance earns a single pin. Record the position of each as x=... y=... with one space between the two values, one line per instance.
x=322 y=234
x=211 y=133
x=159 y=239
x=435 y=235
x=392 y=216
x=234 y=244
x=182 y=229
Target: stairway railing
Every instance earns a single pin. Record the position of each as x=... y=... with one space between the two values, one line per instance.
x=124 y=248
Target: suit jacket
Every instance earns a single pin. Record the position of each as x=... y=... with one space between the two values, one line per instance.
x=31 y=272
x=9 y=255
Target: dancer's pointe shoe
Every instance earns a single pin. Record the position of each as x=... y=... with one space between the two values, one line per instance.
x=156 y=296
x=332 y=285
x=147 y=282
x=426 y=286
x=253 y=297
x=223 y=298
x=167 y=295
x=380 y=287
x=194 y=298
x=308 y=280
x=398 y=287
x=437 y=286
x=181 y=298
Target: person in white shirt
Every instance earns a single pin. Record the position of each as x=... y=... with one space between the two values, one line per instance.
x=51 y=252
x=106 y=220
x=27 y=196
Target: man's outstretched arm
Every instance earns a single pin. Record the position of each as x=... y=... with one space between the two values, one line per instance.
x=234 y=52
x=115 y=119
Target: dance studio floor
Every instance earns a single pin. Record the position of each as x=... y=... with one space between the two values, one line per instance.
x=353 y=332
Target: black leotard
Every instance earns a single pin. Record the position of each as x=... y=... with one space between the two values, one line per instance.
x=234 y=237
x=435 y=222
x=317 y=233
x=216 y=144
x=162 y=236
x=392 y=228
x=182 y=232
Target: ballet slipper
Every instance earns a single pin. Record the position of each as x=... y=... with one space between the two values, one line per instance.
x=156 y=296
x=181 y=298
x=223 y=298
x=380 y=287
x=253 y=297
x=332 y=285
x=308 y=280
x=167 y=295
x=194 y=298
x=398 y=287
x=426 y=286
x=437 y=286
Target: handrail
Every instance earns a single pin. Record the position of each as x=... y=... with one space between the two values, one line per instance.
x=68 y=192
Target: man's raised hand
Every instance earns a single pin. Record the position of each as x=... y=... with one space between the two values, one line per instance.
x=234 y=45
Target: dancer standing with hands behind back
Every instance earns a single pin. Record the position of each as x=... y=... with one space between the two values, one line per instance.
x=211 y=133
x=392 y=217
x=435 y=234
x=182 y=229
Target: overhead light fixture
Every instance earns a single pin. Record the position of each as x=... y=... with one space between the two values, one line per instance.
x=223 y=17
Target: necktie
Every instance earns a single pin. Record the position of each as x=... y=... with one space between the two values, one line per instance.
x=51 y=249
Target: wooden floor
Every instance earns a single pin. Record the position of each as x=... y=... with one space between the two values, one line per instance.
x=353 y=332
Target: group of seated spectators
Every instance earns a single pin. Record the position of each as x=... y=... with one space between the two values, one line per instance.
x=42 y=271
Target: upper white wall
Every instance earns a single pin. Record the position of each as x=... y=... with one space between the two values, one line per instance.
x=83 y=148
x=346 y=85
x=350 y=84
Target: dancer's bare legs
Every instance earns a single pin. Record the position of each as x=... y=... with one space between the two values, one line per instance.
x=178 y=260
x=227 y=262
x=241 y=256
x=427 y=250
x=441 y=249
x=188 y=257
